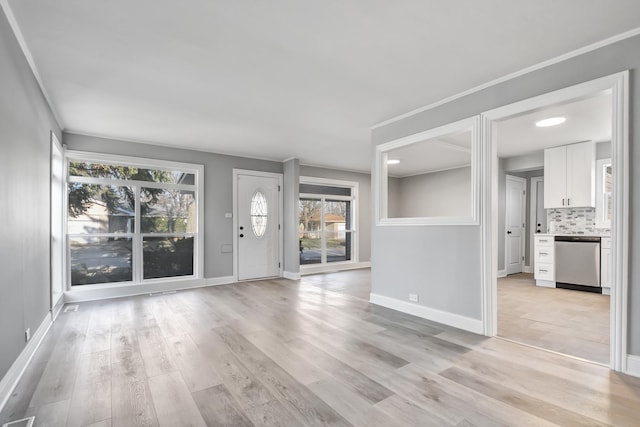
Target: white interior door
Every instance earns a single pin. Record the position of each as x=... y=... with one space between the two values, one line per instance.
x=57 y=226
x=515 y=223
x=258 y=227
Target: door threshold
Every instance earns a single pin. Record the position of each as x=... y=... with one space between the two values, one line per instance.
x=570 y=356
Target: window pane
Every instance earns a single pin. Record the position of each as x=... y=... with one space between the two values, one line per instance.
x=310 y=248
x=309 y=213
x=337 y=215
x=100 y=260
x=167 y=256
x=338 y=246
x=259 y=214
x=167 y=211
x=100 y=209
x=98 y=170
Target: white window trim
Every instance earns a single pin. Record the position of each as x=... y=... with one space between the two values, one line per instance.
x=140 y=162
x=380 y=177
x=355 y=240
x=600 y=222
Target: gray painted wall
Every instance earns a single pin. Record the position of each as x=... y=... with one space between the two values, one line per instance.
x=291 y=188
x=364 y=205
x=25 y=123
x=394 y=204
x=218 y=188
x=402 y=256
x=437 y=194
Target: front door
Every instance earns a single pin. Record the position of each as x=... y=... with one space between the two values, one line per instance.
x=258 y=227
x=515 y=222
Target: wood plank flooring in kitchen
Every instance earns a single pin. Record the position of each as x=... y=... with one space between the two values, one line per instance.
x=562 y=320
x=308 y=353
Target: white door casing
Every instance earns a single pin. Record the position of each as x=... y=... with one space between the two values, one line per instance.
x=515 y=223
x=618 y=84
x=257 y=225
x=57 y=221
x=538 y=215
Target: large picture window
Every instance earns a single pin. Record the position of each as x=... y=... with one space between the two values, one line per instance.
x=326 y=223
x=131 y=220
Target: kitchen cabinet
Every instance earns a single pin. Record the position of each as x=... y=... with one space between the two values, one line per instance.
x=605 y=265
x=544 y=256
x=569 y=176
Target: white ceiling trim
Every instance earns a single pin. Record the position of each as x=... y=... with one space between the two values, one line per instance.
x=552 y=61
x=27 y=54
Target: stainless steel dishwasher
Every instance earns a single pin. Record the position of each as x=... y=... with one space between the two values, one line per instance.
x=578 y=262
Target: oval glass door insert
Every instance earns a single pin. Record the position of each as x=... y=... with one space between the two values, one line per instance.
x=258 y=214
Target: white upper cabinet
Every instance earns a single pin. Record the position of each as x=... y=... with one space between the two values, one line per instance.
x=569 y=176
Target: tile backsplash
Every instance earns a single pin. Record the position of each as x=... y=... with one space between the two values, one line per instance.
x=574 y=221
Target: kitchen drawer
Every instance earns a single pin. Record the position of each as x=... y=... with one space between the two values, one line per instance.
x=545 y=254
x=545 y=241
x=545 y=271
x=605 y=243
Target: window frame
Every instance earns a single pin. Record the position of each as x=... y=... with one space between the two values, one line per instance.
x=601 y=165
x=380 y=177
x=355 y=241
x=137 y=236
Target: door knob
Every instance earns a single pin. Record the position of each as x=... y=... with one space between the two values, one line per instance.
x=241 y=228
x=242 y=235
x=508 y=232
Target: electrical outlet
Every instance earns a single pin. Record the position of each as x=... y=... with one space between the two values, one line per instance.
x=27 y=335
x=413 y=297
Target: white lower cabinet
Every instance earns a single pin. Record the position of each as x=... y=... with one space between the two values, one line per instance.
x=544 y=255
x=605 y=265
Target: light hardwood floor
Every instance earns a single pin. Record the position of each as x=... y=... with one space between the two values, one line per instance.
x=562 y=320
x=308 y=353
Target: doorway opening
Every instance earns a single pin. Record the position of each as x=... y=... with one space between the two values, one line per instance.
x=553 y=302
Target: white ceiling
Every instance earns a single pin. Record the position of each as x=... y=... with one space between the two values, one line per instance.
x=587 y=120
x=282 y=78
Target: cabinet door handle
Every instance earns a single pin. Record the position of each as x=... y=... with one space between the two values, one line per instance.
x=568 y=202
x=543 y=271
x=562 y=202
x=544 y=253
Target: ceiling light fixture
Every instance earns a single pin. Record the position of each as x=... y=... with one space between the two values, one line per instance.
x=553 y=121
x=393 y=161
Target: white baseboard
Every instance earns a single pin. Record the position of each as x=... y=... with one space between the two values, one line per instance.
x=10 y=380
x=444 y=317
x=291 y=276
x=333 y=267
x=57 y=309
x=502 y=273
x=633 y=365
x=99 y=292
